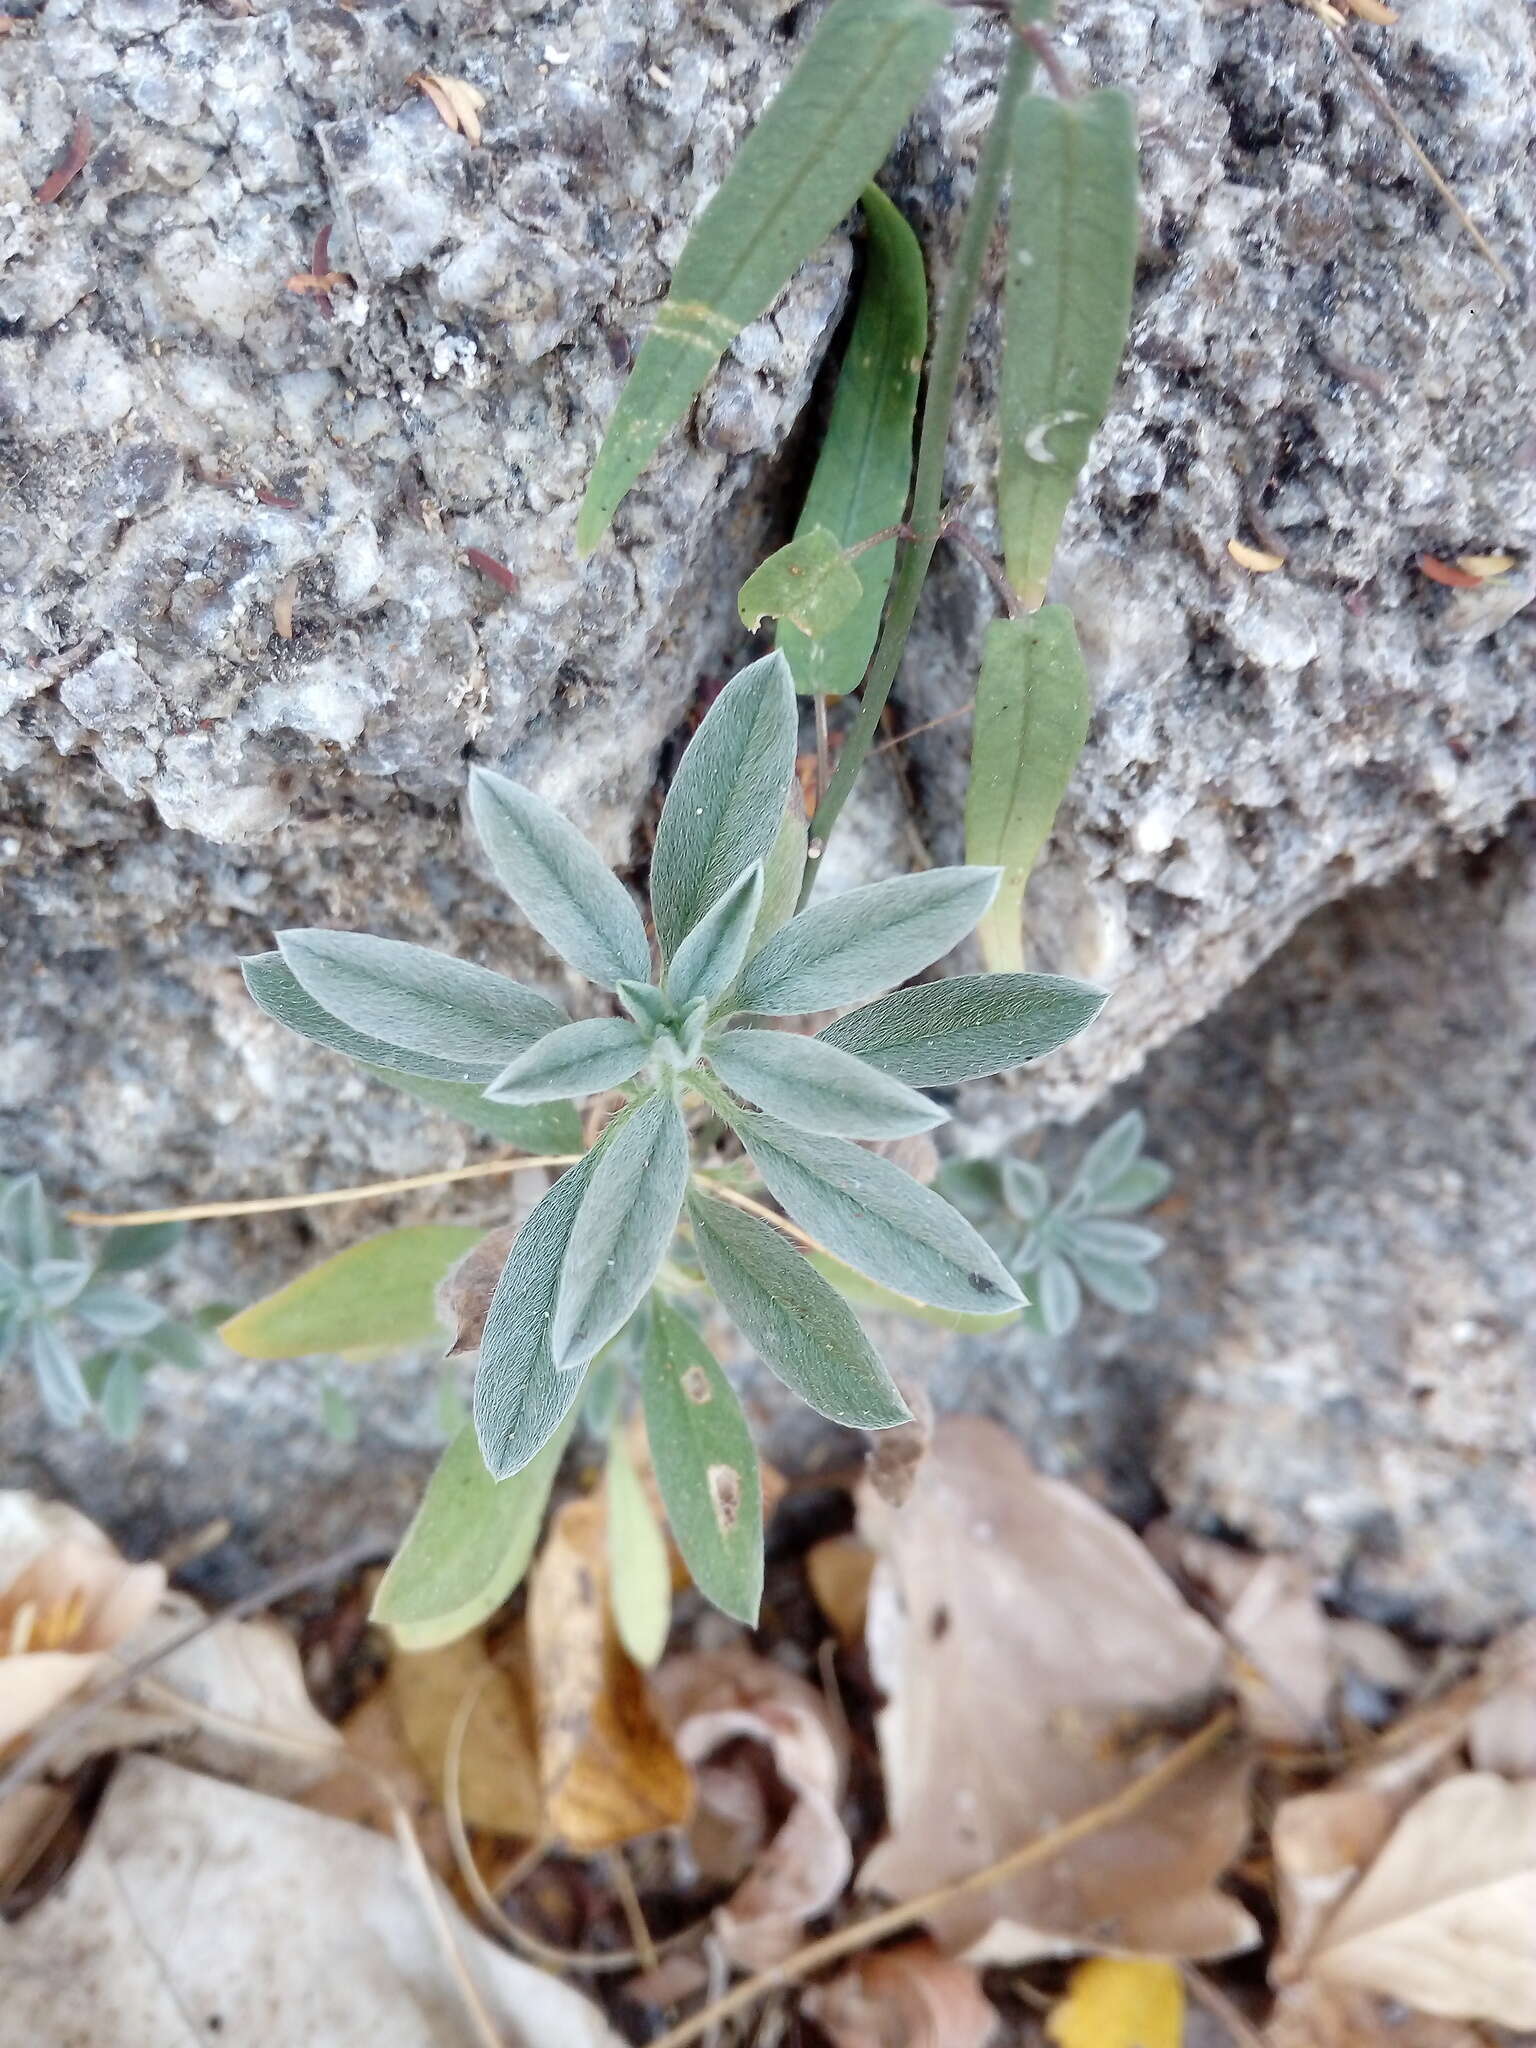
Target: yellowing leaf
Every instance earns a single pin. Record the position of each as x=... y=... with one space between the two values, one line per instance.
x=639 y=1575
x=498 y=1782
x=380 y=1294
x=1120 y=2002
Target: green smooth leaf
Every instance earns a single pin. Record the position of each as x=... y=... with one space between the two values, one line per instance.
x=639 y=1575
x=867 y=1294
x=273 y=988
x=799 y=1326
x=422 y=1001
x=380 y=1293
x=137 y=1244
x=177 y=1344
x=468 y=1546
x=623 y=1228
x=795 y=175
x=559 y=881
x=520 y=1397
x=1031 y=719
x=817 y=1087
x=1067 y=311
x=536 y=1127
x=121 y=1402
x=726 y=803
x=943 y=1032
x=705 y=1463
x=810 y=581
x=710 y=958
x=1025 y=1189
x=577 y=1059
x=864 y=469
x=846 y=949
x=864 y=1209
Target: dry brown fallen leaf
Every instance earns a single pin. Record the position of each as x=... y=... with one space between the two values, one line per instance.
x=456 y=100
x=912 y=1996
x=498 y=1780
x=608 y=1770
x=1320 y=2016
x=390 y=1773
x=1501 y=1735
x=839 y=1570
x=895 y=1455
x=1034 y=1661
x=714 y=1699
x=1444 y=1921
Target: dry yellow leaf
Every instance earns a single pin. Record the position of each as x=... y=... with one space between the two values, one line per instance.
x=839 y=1571
x=498 y=1780
x=1257 y=559
x=1120 y=2002
x=1374 y=11
x=456 y=100
x=1483 y=567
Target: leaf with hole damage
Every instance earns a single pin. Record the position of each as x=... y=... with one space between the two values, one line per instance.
x=810 y=581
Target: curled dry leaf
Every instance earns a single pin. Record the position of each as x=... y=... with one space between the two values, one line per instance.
x=1374 y=11
x=1485 y=567
x=464 y=1298
x=490 y=566
x=498 y=1781
x=896 y=1455
x=991 y=1571
x=907 y=1997
x=69 y=166
x=456 y=100
x=1448 y=573
x=714 y=1699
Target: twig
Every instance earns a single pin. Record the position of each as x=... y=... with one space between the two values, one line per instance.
x=896 y=1919
x=965 y=540
x=1063 y=84
x=634 y=1917
x=271 y=1205
x=1216 y=2001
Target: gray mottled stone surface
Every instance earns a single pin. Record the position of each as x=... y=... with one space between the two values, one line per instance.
x=183 y=441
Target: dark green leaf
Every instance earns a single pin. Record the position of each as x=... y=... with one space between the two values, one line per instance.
x=846 y=949
x=137 y=1244
x=864 y=469
x=726 y=803
x=578 y=1059
x=705 y=1464
x=536 y=1127
x=273 y=989
x=1071 y=262
x=421 y=1001
x=623 y=1229
x=943 y=1032
x=709 y=959
x=1032 y=707
x=558 y=881
x=794 y=177
x=639 y=1574
x=382 y=1292
x=818 y=1087
x=866 y=1210
x=810 y=581
x=792 y=1318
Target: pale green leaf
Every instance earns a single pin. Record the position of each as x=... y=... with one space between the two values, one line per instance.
x=810 y=581
x=710 y=958
x=382 y=1292
x=1102 y=1237
x=28 y=1229
x=647 y=1005
x=1130 y=1289
x=1031 y=718
x=116 y=1312
x=1058 y=1298
x=338 y=1414
x=136 y=1245
x=818 y=1087
x=121 y=1401
x=864 y=468
x=1109 y=1156
x=54 y=1367
x=846 y=949
x=866 y=1210
x=273 y=989
x=794 y=177
x=1067 y=310
x=796 y=1323
x=536 y=1127
x=468 y=1546
x=1143 y=1182
x=726 y=802
x=639 y=1575
x=783 y=872
x=877 y=1300
x=623 y=1228
x=577 y=1059
x=705 y=1463
x=559 y=881
x=943 y=1032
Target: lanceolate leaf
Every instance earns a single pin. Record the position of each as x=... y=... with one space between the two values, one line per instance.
x=540 y=1127
x=818 y=1087
x=864 y=470
x=468 y=1546
x=520 y=1398
x=1107 y=1158
x=783 y=872
x=884 y=1223
x=273 y=988
x=1032 y=705
x=1071 y=262
x=578 y=1059
x=135 y=1245
x=377 y=1293
x=794 y=177
x=710 y=958
x=866 y=1294
x=705 y=1463
x=727 y=798
x=423 y=1002
x=559 y=881
x=846 y=949
x=809 y=581
x=623 y=1228
x=639 y=1576
x=972 y=1024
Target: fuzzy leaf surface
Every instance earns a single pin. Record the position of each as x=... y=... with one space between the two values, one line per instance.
x=382 y=1292
x=623 y=1228
x=559 y=881
x=877 y=1300
x=710 y=958
x=818 y=1087
x=943 y=1032
x=723 y=811
x=274 y=989
x=577 y=1059
x=788 y=1314
x=539 y=1127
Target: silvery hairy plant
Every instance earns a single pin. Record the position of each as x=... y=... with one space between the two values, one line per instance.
x=52 y=1292
x=692 y=1048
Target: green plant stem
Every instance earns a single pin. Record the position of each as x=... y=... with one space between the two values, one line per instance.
x=933 y=440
